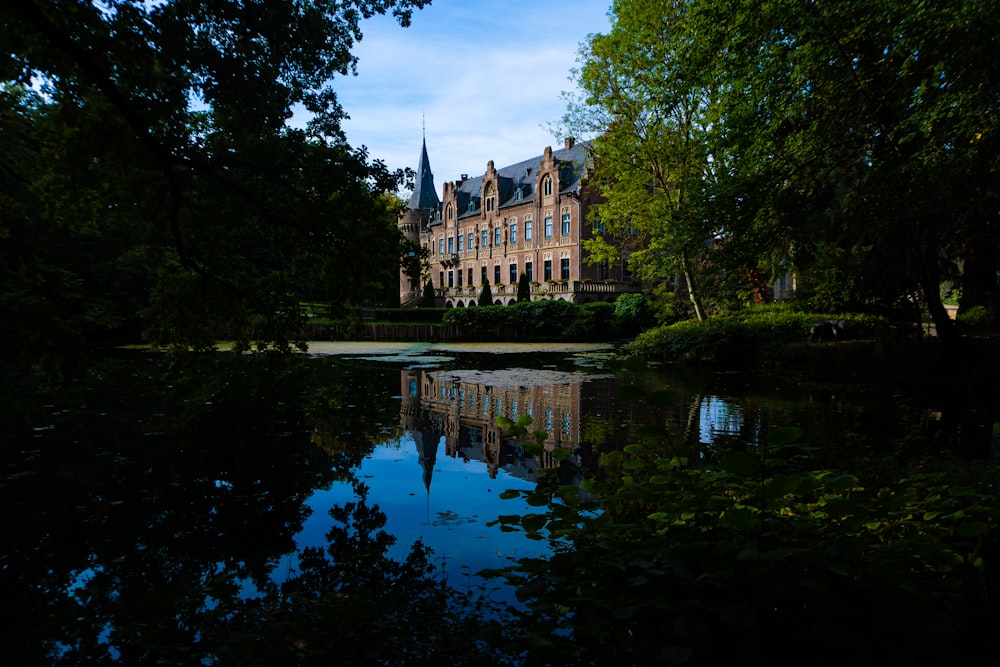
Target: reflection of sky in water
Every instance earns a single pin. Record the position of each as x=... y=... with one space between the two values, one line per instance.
x=719 y=417
x=451 y=519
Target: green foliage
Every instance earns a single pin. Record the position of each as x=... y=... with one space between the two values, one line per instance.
x=550 y=319
x=153 y=185
x=833 y=281
x=755 y=553
x=669 y=307
x=744 y=336
x=633 y=313
x=977 y=316
x=410 y=315
x=722 y=155
x=951 y=293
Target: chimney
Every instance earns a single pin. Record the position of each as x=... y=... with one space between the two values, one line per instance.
x=568 y=142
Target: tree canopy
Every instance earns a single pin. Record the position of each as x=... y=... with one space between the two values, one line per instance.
x=154 y=179
x=855 y=143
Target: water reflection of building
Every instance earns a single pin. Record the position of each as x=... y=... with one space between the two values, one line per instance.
x=579 y=413
x=462 y=407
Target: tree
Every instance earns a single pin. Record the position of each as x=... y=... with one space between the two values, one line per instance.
x=650 y=156
x=830 y=139
x=428 y=299
x=523 y=288
x=486 y=295
x=159 y=136
x=858 y=135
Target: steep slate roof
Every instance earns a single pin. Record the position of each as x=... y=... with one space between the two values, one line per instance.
x=424 y=195
x=522 y=174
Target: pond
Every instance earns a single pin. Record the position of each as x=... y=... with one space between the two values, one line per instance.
x=151 y=507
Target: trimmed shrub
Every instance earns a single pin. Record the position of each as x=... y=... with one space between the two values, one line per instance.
x=523 y=289
x=428 y=298
x=486 y=295
x=746 y=335
x=540 y=320
x=410 y=315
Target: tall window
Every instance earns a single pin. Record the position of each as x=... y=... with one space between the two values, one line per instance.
x=547 y=185
x=564 y=268
x=440 y=246
x=472 y=241
x=486 y=239
x=513 y=232
x=451 y=279
x=482 y=274
x=496 y=236
x=547 y=268
x=565 y=224
x=490 y=202
x=459 y=272
x=527 y=230
x=461 y=242
x=451 y=245
x=496 y=274
x=527 y=270
x=470 y=275
x=513 y=274
x=548 y=227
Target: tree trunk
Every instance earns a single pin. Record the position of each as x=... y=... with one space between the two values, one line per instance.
x=979 y=275
x=943 y=324
x=693 y=294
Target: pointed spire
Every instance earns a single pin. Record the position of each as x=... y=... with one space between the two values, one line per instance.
x=424 y=195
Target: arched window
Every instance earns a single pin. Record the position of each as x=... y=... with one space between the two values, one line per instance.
x=547 y=185
x=490 y=198
x=450 y=215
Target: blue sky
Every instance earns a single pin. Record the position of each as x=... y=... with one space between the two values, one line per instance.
x=487 y=77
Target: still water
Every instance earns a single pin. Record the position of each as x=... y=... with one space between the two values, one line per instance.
x=147 y=503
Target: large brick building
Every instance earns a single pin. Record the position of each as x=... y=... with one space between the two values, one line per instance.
x=529 y=217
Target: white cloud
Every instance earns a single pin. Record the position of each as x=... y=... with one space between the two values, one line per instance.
x=487 y=77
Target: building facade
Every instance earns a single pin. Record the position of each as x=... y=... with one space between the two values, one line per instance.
x=530 y=217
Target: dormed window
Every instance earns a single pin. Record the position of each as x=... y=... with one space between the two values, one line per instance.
x=490 y=198
x=547 y=185
x=518 y=194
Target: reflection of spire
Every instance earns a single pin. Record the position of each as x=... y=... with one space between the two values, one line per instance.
x=427 y=446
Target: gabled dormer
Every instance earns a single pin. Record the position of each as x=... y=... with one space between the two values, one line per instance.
x=491 y=190
x=547 y=180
